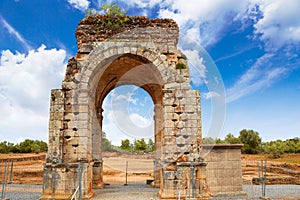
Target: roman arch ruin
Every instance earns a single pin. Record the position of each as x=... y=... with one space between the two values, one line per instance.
x=143 y=52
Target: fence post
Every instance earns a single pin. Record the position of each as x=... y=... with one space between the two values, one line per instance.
x=264 y=178
x=79 y=180
x=126 y=174
x=154 y=171
x=11 y=171
x=4 y=181
x=192 y=179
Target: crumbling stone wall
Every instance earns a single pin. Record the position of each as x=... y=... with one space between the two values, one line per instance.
x=163 y=32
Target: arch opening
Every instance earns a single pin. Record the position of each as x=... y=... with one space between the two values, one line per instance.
x=124 y=70
x=128 y=115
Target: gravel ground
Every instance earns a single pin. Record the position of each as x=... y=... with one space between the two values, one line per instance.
x=24 y=192
x=129 y=192
x=274 y=191
x=145 y=192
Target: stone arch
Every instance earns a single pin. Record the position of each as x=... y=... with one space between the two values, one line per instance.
x=76 y=110
x=146 y=68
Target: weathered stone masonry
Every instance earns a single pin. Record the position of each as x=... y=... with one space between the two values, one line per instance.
x=142 y=52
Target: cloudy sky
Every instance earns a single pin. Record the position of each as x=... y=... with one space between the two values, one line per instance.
x=251 y=46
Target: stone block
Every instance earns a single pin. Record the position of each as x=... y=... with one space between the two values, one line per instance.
x=68 y=85
x=234 y=154
x=191 y=123
x=82 y=116
x=55 y=125
x=180 y=140
x=168 y=116
x=169 y=175
x=179 y=124
x=81 y=108
x=169 y=140
x=169 y=132
x=172 y=85
x=191 y=93
x=169 y=124
x=190 y=109
x=56 y=116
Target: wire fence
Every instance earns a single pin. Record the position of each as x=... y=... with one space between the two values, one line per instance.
x=23 y=178
x=273 y=180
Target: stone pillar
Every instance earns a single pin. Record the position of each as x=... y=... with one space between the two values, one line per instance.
x=185 y=179
x=69 y=145
x=57 y=109
x=181 y=143
x=97 y=150
x=158 y=130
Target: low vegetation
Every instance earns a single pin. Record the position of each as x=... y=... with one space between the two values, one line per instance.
x=253 y=143
x=115 y=16
x=137 y=146
x=27 y=146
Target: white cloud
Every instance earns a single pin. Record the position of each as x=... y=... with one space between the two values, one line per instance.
x=125 y=97
x=121 y=120
x=257 y=77
x=210 y=95
x=192 y=36
x=80 y=4
x=25 y=83
x=11 y=30
x=119 y=125
x=207 y=17
x=280 y=23
x=139 y=120
x=206 y=20
x=197 y=68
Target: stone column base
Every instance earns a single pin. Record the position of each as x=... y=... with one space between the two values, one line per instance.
x=64 y=197
x=61 y=181
x=169 y=196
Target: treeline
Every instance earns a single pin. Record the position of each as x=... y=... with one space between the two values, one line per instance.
x=251 y=140
x=253 y=143
x=137 y=146
x=127 y=146
x=27 y=146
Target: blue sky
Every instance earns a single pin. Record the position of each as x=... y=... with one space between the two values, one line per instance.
x=253 y=46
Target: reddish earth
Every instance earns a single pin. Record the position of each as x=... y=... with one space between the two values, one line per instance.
x=28 y=168
x=280 y=169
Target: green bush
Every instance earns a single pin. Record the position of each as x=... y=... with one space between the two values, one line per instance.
x=27 y=146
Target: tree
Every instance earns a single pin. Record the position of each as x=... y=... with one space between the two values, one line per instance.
x=230 y=139
x=150 y=145
x=106 y=144
x=125 y=145
x=219 y=141
x=208 y=140
x=251 y=141
x=43 y=145
x=140 y=145
x=31 y=146
x=274 y=147
x=3 y=147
